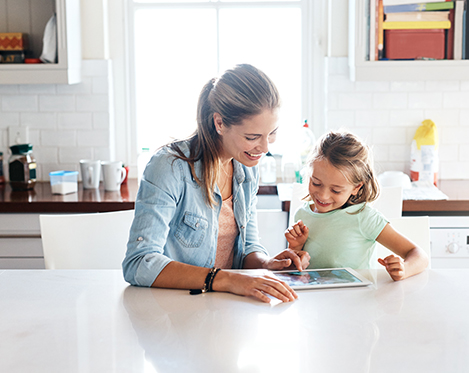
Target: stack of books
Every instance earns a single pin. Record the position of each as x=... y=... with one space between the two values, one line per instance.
x=404 y=29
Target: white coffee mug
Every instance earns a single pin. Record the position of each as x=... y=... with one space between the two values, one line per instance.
x=90 y=173
x=113 y=175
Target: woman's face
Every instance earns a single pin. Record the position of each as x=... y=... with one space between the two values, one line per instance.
x=248 y=141
x=328 y=187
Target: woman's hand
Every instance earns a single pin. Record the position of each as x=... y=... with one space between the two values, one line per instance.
x=296 y=235
x=288 y=259
x=394 y=265
x=258 y=286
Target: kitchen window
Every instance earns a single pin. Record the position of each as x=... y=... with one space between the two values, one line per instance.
x=177 y=46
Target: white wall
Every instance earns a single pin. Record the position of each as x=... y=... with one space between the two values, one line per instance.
x=387 y=114
x=63 y=129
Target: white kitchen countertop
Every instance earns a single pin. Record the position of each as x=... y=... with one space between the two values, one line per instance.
x=92 y=321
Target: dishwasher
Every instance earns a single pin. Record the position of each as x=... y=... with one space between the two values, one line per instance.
x=449 y=239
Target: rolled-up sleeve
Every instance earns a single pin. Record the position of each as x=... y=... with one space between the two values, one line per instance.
x=155 y=206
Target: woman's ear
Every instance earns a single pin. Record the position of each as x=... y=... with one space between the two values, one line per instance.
x=217 y=122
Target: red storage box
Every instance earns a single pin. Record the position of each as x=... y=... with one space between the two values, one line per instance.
x=411 y=44
x=13 y=41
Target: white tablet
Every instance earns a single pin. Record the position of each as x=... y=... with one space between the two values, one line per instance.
x=322 y=278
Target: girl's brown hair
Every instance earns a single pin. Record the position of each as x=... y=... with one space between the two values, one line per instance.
x=237 y=94
x=352 y=158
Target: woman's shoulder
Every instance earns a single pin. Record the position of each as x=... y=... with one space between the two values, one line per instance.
x=165 y=162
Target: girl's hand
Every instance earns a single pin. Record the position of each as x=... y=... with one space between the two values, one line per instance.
x=258 y=286
x=395 y=266
x=296 y=235
x=288 y=259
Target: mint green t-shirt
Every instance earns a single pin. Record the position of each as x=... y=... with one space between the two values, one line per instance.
x=341 y=238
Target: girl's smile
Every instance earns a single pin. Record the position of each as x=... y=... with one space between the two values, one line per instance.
x=329 y=188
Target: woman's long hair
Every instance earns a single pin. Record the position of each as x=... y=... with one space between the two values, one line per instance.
x=239 y=93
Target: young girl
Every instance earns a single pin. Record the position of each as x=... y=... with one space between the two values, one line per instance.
x=337 y=227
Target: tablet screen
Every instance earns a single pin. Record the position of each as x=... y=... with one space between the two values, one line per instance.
x=337 y=277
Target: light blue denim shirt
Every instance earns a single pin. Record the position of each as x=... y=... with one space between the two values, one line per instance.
x=173 y=221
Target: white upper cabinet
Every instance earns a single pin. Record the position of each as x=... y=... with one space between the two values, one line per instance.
x=30 y=17
x=361 y=69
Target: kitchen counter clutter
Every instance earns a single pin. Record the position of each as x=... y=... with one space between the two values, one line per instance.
x=95 y=322
x=41 y=199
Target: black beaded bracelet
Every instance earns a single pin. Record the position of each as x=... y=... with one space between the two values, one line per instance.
x=208 y=282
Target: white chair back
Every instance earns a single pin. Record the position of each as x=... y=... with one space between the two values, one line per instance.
x=85 y=241
x=415 y=228
x=389 y=202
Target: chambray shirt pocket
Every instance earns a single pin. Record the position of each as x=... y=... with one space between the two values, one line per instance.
x=191 y=230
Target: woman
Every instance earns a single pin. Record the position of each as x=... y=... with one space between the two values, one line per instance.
x=196 y=207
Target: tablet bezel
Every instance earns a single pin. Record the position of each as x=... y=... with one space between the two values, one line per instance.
x=363 y=281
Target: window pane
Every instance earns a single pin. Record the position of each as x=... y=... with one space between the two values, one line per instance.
x=175 y=55
x=269 y=39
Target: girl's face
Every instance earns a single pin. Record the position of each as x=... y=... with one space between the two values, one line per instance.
x=329 y=188
x=248 y=141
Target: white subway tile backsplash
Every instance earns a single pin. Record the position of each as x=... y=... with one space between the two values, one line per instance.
x=425 y=100
x=405 y=118
x=44 y=154
x=455 y=135
x=372 y=117
x=407 y=86
x=455 y=100
x=58 y=138
x=399 y=153
x=454 y=170
x=442 y=86
x=101 y=120
x=84 y=87
x=340 y=83
x=443 y=118
x=389 y=136
x=71 y=154
x=9 y=119
x=448 y=152
x=398 y=109
x=389 y=100
x=19 y=103
x=339 y=118
x=39 y=120
x=354 y=100
x=93 y=103
x=99 y=138
x=37 y=89
x=66 y=122
x=75 y=120
x=372 y=86
x=57 y=103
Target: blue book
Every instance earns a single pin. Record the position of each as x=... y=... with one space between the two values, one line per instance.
x=418 y=7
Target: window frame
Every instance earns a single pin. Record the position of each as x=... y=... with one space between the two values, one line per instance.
x=312 y=102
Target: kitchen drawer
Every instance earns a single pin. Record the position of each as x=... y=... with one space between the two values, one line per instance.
x=19 y=225
x=21 y=247
x=22 y=263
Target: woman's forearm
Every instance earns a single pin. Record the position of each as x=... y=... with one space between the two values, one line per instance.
x=178 y=275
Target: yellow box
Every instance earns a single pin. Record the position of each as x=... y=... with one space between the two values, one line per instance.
x=13 y=41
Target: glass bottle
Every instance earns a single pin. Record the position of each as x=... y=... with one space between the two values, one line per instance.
x=22 y=167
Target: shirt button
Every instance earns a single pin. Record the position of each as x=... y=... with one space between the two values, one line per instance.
x=197 y=225
x=242 y=227
x=140 y=239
